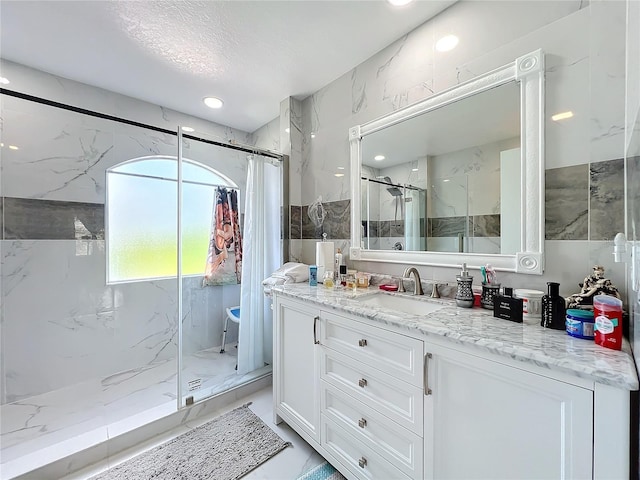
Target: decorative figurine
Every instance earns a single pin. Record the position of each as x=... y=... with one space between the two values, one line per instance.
x=594 y=284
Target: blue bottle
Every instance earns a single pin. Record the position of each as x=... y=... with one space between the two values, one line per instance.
x=313 y=276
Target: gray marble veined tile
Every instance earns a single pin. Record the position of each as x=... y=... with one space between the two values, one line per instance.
x=337 y=223
x=567 y=203
x=487 y=225
x=606 y=210
x=296 y=222
x=384 y=228
x=447 y=226
x=26 y=218
x=309 y=230
x=396 y=227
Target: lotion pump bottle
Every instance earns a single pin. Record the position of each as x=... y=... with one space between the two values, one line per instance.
x=464 y=295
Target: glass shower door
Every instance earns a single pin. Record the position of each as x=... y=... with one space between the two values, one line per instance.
x=213 y=196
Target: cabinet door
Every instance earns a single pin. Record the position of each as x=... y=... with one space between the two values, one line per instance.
x=296 y=373
x=492 y=421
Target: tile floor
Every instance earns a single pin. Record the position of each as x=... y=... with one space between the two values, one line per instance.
x=287 y=465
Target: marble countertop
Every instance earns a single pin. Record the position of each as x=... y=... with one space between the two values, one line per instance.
x=546 y=348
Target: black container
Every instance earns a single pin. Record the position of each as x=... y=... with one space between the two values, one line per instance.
x=553 y=308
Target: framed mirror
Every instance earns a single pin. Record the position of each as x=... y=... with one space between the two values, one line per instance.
x=457 y=177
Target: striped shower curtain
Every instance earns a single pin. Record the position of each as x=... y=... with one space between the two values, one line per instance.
x=224 y=258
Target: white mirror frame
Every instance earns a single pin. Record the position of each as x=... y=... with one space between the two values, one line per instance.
x=529 y=71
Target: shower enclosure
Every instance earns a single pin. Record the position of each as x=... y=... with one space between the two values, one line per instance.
x=108 y=321
x=394 y=215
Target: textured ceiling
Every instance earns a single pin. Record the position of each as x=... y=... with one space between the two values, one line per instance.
x=252 y=54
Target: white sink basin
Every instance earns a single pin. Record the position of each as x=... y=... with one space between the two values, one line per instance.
x=399 y=303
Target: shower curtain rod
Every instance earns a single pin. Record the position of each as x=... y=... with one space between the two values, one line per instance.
x=84 y=111
x=410 y=187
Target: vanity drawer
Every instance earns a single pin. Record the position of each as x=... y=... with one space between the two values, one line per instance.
x=390 y=352
x=362 y=461
x=393 y=398
x=402 y=448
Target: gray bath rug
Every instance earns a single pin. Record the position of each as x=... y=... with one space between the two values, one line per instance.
x=225 y=448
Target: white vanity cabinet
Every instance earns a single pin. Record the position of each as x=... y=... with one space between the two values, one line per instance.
x=491 y=420
x=380 y=402
x=296 y=379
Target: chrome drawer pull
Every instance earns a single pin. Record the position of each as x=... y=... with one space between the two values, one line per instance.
x=362 y=343
x=362 y=423
x=362 y=382
x=362 y=462
x=315 y=338
x=425 y=371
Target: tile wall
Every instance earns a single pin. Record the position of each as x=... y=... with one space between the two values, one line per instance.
x=584 y=46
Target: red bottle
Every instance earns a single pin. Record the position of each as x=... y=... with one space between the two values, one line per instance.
x=607 y=311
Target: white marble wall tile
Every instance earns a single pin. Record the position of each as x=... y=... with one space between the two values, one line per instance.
x=607 y=56
x=485 y=27
x=52 y=87
x=78 y=327
x=268 y=136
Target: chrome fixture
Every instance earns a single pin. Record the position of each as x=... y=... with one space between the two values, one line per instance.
x=434 y=292
x=417 y=284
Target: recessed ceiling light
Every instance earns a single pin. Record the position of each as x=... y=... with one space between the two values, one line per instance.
x=13 y=147
x=313 y=135
x=446 y=180
x=213 y=102
x=561 y=116
x=447 y=43
x=287 y=130
x=338 y=174
x=399 y=3
x=379 y=158
x=188 y=129
x=340 y=168
x=4 y=81
x=414 y=169
x=1 y=144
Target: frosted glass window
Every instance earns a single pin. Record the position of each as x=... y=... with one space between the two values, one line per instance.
x=142 y=218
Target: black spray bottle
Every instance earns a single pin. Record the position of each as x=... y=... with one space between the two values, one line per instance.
x=553 y=308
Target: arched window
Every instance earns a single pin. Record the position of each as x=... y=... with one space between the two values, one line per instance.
x=141 y=217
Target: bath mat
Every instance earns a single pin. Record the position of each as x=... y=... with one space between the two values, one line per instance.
x=324 y=471
x=225 y=448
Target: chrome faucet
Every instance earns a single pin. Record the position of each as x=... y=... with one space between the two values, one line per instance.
x=417 y=287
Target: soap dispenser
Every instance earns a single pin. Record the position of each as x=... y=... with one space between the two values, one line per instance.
x=464 y=295
x=553 y=308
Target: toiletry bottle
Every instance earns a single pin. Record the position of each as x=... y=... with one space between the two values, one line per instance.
x=553 y=308
x=464 y=295
x=337 y=262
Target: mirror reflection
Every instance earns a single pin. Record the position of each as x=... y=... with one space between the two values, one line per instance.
x=447 y=180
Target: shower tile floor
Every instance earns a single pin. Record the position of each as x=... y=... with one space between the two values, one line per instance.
x=58 y=423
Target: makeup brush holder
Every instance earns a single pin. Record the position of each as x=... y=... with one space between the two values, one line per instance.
x=489 y=292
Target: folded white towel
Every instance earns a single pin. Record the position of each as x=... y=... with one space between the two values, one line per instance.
x=294 y=272
x=290 y=272
x=269 y=283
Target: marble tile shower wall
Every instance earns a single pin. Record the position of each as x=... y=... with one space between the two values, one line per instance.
x=62 y=324
x=632 y=146
x=584 y=73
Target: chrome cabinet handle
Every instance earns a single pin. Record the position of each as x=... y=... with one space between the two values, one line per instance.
x=362 y=382
x=362 y=462
x=362 y=343
x=425 y=371
x=362 y=423
x=315 y=338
